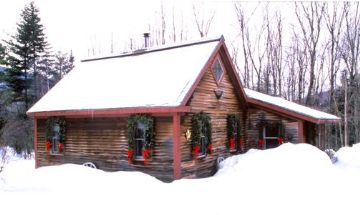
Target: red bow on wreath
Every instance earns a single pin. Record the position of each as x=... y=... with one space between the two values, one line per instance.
x=48 y=146
x=209 y=148
x=60 y=146
x=232 y=143
x=129 y=155
x=196 y=150
x=280 y=140
x=241 y=142
x=146 y=154
x=261 y=143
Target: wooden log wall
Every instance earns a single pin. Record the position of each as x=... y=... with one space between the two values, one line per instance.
x=103 y=141
x=253 y=118
x=205 y=100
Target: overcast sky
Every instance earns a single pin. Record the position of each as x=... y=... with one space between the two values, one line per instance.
x=81 y=25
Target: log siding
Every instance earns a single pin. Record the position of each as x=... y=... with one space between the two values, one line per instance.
x=103 y=141
x=204 y=99
x=253 y=118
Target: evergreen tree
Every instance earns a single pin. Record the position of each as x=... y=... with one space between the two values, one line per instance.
x=25 y=48
x=2 y=63
x=2 y=55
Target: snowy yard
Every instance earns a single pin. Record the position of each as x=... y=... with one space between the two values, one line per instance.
x=290 y=179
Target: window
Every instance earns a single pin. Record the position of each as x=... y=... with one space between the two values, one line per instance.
x=139 y=140
x=55 y=135
x=233 y=132
x=55 y=139
x=236 y=136
x=203 y=141
x=271 y=135
x=201 y=134
x=217 y=70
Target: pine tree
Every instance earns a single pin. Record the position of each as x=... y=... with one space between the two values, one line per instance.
x=25 y=49
x=2 y=55
x=2 y=63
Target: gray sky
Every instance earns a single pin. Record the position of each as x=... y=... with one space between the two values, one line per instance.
x=82 y=25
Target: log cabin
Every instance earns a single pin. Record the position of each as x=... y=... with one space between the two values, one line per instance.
x=170 y=112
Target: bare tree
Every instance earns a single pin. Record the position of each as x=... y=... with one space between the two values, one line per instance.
x=274 y=51
x=334 y=16
x=203 y=22
x=334 y=20
x=243 y=31
x=350 y=55
x=309 y=17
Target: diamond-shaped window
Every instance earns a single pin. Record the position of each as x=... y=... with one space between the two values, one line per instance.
x=217 y=70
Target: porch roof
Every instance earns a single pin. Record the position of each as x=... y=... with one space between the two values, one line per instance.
x=291 y=109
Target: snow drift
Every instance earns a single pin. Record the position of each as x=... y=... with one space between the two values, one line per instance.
x=290 y=179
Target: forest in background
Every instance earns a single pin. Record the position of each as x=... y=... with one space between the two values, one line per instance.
x=305 y=52
x=28 y=69
x=310 y=58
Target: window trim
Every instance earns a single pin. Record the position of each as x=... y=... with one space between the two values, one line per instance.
x=218 y=58
x=237 y=139
x=265 y=138
x=139 y=157
x=54 y=150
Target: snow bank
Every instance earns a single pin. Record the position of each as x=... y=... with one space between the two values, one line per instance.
x=349 y=156
x=290 y=179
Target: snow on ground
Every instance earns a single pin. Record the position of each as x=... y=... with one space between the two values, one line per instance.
x=290 y=179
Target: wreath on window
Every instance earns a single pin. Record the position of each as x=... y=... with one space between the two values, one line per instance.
x=233 y=121
x=281 y=127
x=50 y=122
x=263 y=123
x=198 y=121
x=148 y=122
x=260 y=125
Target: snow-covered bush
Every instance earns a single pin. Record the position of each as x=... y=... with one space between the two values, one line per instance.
x=3 y=157
x=332 y=155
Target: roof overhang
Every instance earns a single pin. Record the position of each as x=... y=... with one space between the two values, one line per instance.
x=222 y=51
x=288 y=113
x=112 y=112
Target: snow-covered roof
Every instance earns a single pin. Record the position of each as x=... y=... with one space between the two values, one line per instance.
x=290 y=106
x=147 y=78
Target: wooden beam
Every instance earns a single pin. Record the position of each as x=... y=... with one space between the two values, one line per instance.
x=113 y=112
x=321 y=143
x=301 y=138
x=35 y=143
x=176 y=146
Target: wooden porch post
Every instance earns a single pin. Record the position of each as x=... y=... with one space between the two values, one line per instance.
x=321 y=129
x=301 y=132
x=176 y=146
x=35 y=143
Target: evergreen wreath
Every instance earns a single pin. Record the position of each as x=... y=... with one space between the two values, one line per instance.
x=148 y=122
x=263 y=123
x=260 y=125
x=198 y=121
x=233 y=121
x=50 y=122
x=281 y=127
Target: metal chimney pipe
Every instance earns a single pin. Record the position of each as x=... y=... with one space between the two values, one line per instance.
x=146 y=40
